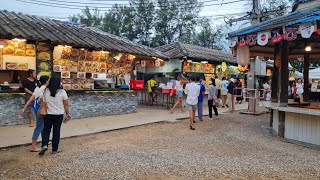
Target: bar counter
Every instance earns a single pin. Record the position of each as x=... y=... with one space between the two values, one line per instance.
x=300 y=124
x=83 y=104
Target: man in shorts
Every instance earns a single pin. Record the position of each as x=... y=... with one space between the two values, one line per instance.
x=192 y=91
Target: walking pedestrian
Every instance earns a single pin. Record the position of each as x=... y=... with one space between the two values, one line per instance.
x=44 y=81
x=178 y=86
x=57 y=103
x=29 y=85
x=192 y=91
x=230 y=87
x=200 y=98
x=212 y=98
x=218 y=87
x=224 y=92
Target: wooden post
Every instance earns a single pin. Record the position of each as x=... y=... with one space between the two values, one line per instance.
x=284 y=73
x=281 y=128
x=306 y=65
x=271 y=117
x=275 y=77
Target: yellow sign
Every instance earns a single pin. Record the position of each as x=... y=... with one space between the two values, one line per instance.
x=224 y=66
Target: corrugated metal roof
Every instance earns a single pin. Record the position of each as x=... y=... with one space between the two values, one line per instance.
x=179 y=50
x=287 y=20
x=44 y=29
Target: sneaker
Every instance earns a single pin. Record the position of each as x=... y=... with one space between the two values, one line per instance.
x=57 y=151
x=43 y=150
x=222 y=106
x=227 y=106
x=209 y=118
x=192 y=128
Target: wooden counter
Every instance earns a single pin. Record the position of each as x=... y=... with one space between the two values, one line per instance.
x=300 y=124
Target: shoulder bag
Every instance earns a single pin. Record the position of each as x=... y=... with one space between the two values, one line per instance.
x=43 y=108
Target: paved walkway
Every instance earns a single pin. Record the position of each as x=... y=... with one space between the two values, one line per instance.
x=21 y=134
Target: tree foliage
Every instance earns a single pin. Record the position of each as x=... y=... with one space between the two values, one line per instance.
x=155 y=22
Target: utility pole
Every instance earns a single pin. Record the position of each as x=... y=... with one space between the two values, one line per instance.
x=256 y=11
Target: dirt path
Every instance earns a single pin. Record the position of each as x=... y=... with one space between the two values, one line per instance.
x=231 y=146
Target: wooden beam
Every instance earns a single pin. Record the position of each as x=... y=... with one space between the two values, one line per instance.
x=306 y=65
x=284 y=73
x=271 y=117
x=275 y=77
x=281 y=127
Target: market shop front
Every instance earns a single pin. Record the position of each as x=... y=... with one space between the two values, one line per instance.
x=95 y=67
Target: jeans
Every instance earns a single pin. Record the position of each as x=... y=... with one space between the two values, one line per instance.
x=38 y=129
x=52 y=121
x=210 y=105
x=200 y=110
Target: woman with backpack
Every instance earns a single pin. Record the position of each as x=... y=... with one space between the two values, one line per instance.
x=57 y=104
x=44 y=81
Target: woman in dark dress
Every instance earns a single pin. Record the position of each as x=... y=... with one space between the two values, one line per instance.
x=239 y=91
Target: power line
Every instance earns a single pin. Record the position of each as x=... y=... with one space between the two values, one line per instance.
x=67 y=6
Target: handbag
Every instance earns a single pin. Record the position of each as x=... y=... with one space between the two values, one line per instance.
x=43 y=109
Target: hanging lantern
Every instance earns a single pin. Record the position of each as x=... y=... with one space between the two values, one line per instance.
x=243 y=55
x=306 y=30
x=242 y=68
x=224 y=66
x=263 y=38
x=131 y=57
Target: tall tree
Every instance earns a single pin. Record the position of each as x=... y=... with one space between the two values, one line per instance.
x=174 y=20
x=89 y=18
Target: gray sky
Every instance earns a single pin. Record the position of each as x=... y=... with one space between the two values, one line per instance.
x=41 y=7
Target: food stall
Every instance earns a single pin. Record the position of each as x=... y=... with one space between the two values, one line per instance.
x=287 y=38
x=95 y=67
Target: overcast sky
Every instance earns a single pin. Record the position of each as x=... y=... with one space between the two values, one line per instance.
x=46 y=7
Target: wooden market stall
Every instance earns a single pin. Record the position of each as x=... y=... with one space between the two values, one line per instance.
x=295 y=36
x=95 y=66
x=201 y=61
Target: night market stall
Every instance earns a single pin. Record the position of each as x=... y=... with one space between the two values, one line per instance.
x=95 y=67
x=295 y=36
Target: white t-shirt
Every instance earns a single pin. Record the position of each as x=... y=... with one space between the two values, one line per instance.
x=266 y=86
x=179 y=87
x=218 y=83
x=192 y=91
x=38 y=92
x=299 y=89
x=224 y=87
x=55 y=104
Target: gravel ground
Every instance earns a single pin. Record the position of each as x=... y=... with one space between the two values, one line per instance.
x=224 y=148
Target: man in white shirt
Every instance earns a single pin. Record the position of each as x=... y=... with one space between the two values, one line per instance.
x=192 y=91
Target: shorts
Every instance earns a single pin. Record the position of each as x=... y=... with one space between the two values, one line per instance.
x=219 y=93
x=179 y=94
x=192 y=108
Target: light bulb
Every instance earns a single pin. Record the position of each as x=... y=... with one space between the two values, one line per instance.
x=308 y=48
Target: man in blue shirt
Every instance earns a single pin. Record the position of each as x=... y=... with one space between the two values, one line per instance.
x=200 y=98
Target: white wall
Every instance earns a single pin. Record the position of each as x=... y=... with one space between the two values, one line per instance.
x=19 y=60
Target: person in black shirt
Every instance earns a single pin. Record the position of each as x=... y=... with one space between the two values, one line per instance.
x=29 y=85
x=230 y=88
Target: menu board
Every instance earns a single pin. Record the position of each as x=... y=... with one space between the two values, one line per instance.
x=43 y=59
x=198 y=67
x=17 y=48
x=81 y=63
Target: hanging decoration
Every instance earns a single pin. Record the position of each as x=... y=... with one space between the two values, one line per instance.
x=242 y=41
x=277 y=35
x=242 y=68
x=233 y=41
x=243 y=55
x=251 y=39
x=224 y=66
x=306 y=30
x=291 y=33
x=263 y=38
